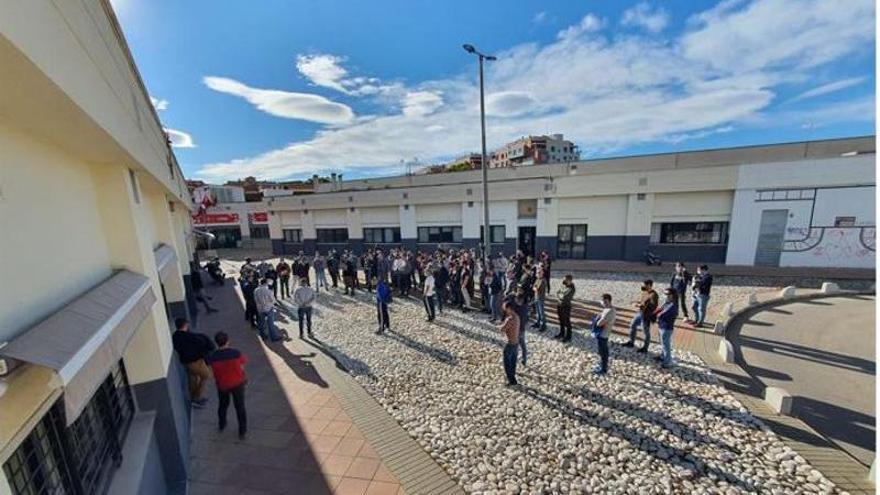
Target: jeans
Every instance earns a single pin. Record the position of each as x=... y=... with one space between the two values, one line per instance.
x=441 y=296
x=522 y=343
x=305 y=316
x=320 y=279
x=646 y=326
x=682 y=302
x=540 y=314
x=509 y=358
x=285 y=287
x=495 y=302
x=267 y=326
x=429 y=306
x=666 y=340
x=701 y=303
x=602 y=347
x=237 y=396
x=382 y=316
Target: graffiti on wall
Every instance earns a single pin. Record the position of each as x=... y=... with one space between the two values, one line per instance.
x=843 y=243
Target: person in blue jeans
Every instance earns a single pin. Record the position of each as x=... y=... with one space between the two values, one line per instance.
x=702 y=289
x=496 y=287
x=540 y=289
x=666 y=315
x=510 y=328
x=303 y=297
x=602 y=325
x=646 y=306
x=383 y=297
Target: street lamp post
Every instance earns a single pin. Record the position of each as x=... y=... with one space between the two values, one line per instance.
x=485 y=161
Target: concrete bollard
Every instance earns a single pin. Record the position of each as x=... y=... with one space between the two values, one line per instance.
x=719 y=327
x=872 y=474
x=788 y=292
x=778 y=399
x=727 y=309
x=725 y=350
x=753 y=299
x=830 y=288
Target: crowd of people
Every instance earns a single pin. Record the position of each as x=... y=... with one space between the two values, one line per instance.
x=513 y=291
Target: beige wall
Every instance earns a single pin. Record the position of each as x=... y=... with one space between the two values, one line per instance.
x=694 y=206
x=53 y=244
x=605 y=215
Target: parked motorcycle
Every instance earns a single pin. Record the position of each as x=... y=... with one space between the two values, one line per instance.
x=652 y=259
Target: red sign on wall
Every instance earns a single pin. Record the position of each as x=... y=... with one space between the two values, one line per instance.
x=213 y=218
x=259 y=216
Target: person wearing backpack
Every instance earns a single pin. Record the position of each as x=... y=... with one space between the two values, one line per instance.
x=383 y=297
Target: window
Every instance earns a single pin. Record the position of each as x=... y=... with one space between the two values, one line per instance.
x=439 y=234
x=844 y=221
x=332 y=235
x=380 y=235
x=134 y=186
x=259 y=231
x=572 y=242
x=292 y=235
x=689 y=233
x=55 y=459
x=496 y=234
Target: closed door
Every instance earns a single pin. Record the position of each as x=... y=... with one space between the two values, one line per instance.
x=527 y=240
x=770 y=237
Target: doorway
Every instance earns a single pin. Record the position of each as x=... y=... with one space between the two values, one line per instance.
x=526 y=240
x=770 y=237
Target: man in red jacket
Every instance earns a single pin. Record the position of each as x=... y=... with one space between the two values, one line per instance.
x=227 y=364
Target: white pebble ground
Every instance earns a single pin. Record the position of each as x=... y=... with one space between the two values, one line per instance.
x=563 y=430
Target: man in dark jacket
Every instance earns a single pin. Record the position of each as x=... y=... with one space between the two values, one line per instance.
x=333 y=267
x=681 y=278
x=564 y=297
x=702 y=291
x=227 y=364
x=248 y=284
x=192 y=348
x=666 y=316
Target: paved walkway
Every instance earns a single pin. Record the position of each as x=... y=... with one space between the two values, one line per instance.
x=822 y=352
x=312 y=429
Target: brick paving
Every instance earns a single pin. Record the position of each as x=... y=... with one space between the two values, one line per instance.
x=312 y=429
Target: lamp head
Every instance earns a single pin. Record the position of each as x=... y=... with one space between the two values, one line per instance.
x=469 y=48
x=491 y=57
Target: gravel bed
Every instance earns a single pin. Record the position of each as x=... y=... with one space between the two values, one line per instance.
x=639 y=429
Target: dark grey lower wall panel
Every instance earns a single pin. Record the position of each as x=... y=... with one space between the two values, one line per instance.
x=168 y=397
x=682 y=252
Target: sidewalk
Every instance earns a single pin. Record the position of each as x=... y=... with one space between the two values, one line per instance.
x=300 y=438
x=718 y=269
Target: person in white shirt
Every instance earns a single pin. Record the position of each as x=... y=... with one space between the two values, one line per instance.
x=303 y=297
x=603 y=323
x=265 y=302
x=429 y=294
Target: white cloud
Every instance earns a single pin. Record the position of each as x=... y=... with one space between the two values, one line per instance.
x=601 y=92
x=510 y=103
x=829 y=88
x=287 y=104
x=645 y=16
x=159 y=104
x=590 y=23
x=539 y=17
x=323 y=70
x=417 y=103
x=180 y=139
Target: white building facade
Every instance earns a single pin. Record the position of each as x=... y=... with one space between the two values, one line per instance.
x=704 y=206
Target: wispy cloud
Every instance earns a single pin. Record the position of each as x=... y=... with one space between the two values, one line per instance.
x=604 y=92
x=831 y=87
x=540 y=17
x=180 y=139
x=326 y=70
x=653 y=19
x=287 y=104
x=159 y=104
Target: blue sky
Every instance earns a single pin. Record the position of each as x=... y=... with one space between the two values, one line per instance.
x=285 y=89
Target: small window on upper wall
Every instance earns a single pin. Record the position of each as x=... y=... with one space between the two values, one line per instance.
x=844 y=221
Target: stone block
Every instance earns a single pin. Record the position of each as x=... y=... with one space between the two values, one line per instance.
x=753 y=299
x=778 y=399
x=788 y=292
x=727 y=309
x=725 y=351
x=830 y=288
x=719 y=327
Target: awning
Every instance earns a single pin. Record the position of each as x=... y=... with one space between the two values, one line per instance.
x=83 y=340
x=165 y=259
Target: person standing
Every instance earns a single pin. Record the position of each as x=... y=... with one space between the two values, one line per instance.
x=428 y=292
x=199 y=287
x=441 y=279
x=681 y=278
x=510 y=328
x=272 y=275
x=266 y=309
x=383 y=297
x=333 y=267
x=283 y=271
x=349 y=273
x=603 y=323
x=248 y=286
x=192 y=348
x=521 y=306
x=466 y=288
x=702 y=292
x=303 y=297
x=496 y=288
x=564 y=297
x=647 y=305
x=540 y=291
x=227 y=363
x=666 y=316
x=320 y=276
